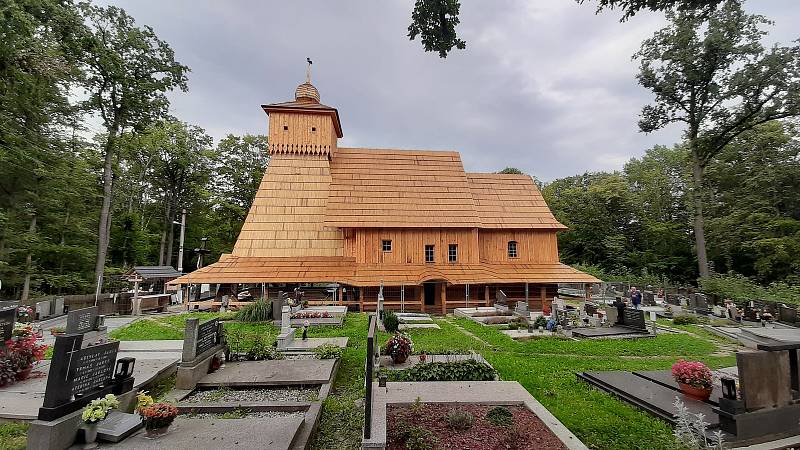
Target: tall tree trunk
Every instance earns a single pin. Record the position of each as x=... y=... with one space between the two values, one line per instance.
x=699 y=224
x=26 y=287
x=162 y=252
x=105 y=210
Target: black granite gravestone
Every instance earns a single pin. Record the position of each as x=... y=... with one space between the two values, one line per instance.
x=634 y=318
x=79 y=375
x=207 y=336
x=82 y=320
x=7 y=318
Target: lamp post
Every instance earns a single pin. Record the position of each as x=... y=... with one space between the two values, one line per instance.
x=200 y=252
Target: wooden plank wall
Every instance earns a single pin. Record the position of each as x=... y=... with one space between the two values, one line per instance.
x=299 y=137
x=533 y=246
x=408 y=245
x=286 y=218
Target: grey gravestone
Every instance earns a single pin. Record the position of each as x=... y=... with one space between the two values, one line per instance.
x=7 y=318
x=765 y=379
x=648 y=298
x=59 y=306
x=787 y=314
x=82 y=320
x=118 y=425
x=43 y=309
x=207 y=336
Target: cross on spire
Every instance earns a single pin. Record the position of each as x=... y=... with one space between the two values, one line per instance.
x=308 y=70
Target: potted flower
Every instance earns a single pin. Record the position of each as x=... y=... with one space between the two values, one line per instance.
x=158 y=417
x=694 y=378
x=143 y=400
x=399 y=347
x=94 y=413
x=24 y=353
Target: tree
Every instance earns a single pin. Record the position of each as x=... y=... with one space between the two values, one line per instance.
x=129 y=70
x=711 y=73
x=631 y=7
x=434 y=21
x=511 y=171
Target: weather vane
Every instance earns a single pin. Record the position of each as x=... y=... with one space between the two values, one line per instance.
x=308 y=70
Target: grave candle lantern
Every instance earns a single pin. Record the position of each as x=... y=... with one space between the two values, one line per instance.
x=124 y=368
x=729 y=388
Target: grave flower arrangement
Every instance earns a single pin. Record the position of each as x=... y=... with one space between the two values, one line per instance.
x=694 y=378
x=143 y=400
x=158 y=417
x=399 y=347
x=21 y=353
x=24 y=313
x=311 y=315
x=98 y=409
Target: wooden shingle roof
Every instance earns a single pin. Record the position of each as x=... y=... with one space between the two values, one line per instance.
x=234 y=269
x=510 y=201
x=399 y=188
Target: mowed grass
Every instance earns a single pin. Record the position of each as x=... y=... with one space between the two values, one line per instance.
x=13 y=436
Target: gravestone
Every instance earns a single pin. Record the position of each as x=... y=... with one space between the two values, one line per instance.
x=765 y=379
x=612 y=315
x=43 y=309
x=58 y=306
x=634 y=318
x=648 y=298
x=8 y=316
x=286 y=337
x=87 y=322
x=80 y=374
x=201 y=342
x=787 y=314
x=673 y=299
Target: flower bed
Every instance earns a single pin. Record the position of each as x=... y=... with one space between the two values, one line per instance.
x=466 y=426
x=304 y=314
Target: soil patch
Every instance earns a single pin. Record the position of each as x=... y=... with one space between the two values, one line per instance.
x=526 y=432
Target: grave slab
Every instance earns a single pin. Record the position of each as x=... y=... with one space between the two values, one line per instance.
x=249 y=433
x=386 y=362
x=308 y=345
x=600 y=332
x=408 y=326
x=118 y=426
x=270 y=373
x=649 y=395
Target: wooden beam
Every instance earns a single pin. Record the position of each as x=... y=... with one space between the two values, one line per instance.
x=486 y=295
x=421 y=297
x=339 y=295
x=361 y=298
x=444 y=298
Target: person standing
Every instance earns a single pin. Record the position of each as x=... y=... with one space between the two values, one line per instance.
x=636 y=297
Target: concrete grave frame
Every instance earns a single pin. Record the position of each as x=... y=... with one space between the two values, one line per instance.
x=201 y=343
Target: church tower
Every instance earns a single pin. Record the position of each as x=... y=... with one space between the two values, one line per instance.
x=287 y=215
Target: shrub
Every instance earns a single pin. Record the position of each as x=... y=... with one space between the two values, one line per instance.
x=513 y=439
x=260 y=351
x=158 y=415
x=419 y=438
x=500 y=416
x=459 y=420
x=258 y=311
x=517 y=323
x=540 y=322
x=328 y=351
x=684 y=319
x=391 y=322
x=468 y=370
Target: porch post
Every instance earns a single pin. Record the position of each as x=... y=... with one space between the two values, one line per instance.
x=421 y=297
x=486 y=295
x=339 y=295
x=526 y=292
x=361 y=298
x=444 y=298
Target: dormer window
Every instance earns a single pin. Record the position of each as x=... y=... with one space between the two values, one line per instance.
x=386 y=245
x=512 y=249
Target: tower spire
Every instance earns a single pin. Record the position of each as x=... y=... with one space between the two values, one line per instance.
x=308 y=70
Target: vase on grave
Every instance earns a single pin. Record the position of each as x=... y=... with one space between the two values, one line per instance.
x=90 y=435
x=695 y=393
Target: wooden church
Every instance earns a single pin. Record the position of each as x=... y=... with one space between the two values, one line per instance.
x=410 y=222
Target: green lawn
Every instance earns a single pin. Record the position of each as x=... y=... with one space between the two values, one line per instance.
x=13 y=436
x=545 y=367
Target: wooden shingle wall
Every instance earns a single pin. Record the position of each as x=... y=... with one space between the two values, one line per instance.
x=408 y=245
x=286 y=218
x=533 y=246
x=305 y=133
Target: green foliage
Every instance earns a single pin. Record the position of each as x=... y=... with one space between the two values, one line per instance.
x=684 y=319
x=459 y=420
x=145 y=330
x=540 y=322
x=629 y=8
x=258 y=311
x=416 y=437
x=500 y=416
x=435 y=21
x=511 y=171
x=328 y=351
x=741 y=289
x=13 y=436
x=467 y=370
x=390 y=322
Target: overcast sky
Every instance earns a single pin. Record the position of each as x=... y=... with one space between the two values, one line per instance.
x=543 y=85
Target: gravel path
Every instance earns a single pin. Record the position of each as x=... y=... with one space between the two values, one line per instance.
x=225 y=395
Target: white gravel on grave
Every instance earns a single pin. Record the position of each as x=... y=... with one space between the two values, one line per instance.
x=289 y=394
x=250 y=415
